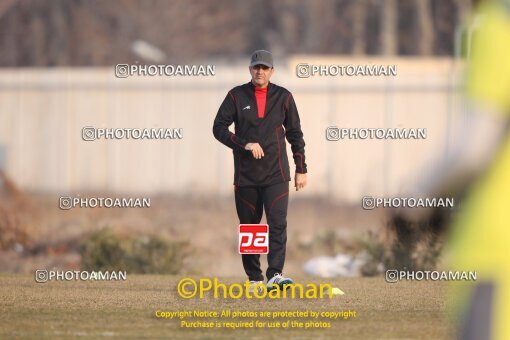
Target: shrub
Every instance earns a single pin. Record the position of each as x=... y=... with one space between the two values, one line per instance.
x=411 y=244
x=107 y=251
x=12 y=231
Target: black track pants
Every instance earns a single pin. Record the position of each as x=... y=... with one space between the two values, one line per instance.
x=250 y=202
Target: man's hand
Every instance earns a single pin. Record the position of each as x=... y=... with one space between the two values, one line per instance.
x=299 y=181
x=255 y=149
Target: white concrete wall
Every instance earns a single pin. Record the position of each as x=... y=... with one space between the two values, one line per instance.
x=42 y=113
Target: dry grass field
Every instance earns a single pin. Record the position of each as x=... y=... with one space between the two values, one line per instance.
x=126 y=309
x=52 y=237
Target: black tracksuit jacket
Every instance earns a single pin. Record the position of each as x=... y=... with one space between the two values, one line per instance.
x=280 y=120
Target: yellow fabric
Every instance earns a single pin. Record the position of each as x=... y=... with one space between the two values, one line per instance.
x=489 y=75
x=481 y=236
x=481 y=240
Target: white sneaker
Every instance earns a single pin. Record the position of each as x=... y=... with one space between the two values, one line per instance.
x=259 y=285
x=279 y=281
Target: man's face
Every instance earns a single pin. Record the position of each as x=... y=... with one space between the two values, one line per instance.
x=260 y=75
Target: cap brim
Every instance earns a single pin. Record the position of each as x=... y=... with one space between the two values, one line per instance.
x=260 y=63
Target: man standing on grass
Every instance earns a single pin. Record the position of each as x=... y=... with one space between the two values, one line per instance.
x=263 y=115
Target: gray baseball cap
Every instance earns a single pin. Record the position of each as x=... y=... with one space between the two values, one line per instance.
x=262 y=57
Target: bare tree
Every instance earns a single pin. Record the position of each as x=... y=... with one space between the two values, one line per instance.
x=95 y=32
x=463 y=9
x=5 y=6
x=389 y=32
x=426 y=27
x=359 y=25
x=321 y=18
